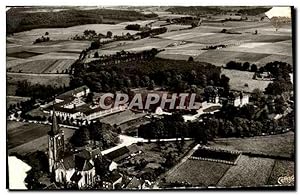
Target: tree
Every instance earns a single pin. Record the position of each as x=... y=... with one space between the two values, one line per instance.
x=246 y=66
x=191 y=59
x=46 y=33
x=253 y=68
x=109 y=34
x=81 y=137
x=96 y=55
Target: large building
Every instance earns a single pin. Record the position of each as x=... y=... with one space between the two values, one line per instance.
x=66 y=167
x=73 y=105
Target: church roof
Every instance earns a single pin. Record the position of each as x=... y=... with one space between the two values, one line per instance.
x=82 y=164
x=69 y=162
x=76 y=177
x=89 y=153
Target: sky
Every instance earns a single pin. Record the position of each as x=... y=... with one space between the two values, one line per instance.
x=279 y=12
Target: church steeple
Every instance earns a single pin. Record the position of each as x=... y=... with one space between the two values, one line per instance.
x=54 y=127
x=56 y=144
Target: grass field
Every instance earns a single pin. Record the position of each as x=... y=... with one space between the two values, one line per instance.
x=29 y=137
x=198 y=173
x=281 y=145
x=248 y=172
x=239 y=79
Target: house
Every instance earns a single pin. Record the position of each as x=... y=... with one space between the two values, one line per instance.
x=66 y=167
x=111 y=181
x=238 y=100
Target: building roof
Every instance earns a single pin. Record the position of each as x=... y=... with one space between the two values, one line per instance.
x=135 y=183
x=76 y=177
x=88 y=153
x=113 y=177
x=118 y=154
x=82 y=164
x=68 y=94
x=68 y=162
x=52 y=186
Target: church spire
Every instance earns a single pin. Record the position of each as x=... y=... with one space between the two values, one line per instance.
x=55 y=127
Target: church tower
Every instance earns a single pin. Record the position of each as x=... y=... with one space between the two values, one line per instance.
x=56 y=144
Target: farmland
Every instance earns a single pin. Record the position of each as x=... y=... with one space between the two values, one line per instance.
x=198 y=173
x=259 y=164
x=43 y=79
x=249 y=171
x=29 y=137
x=281 y=169
x=274 y=145
x=243 y=80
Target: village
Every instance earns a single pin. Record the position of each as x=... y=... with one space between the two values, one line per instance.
x=234 y=127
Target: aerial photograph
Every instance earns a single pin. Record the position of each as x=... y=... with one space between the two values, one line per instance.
x=118 y=98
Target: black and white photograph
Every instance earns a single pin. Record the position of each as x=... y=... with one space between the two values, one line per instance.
x=144 y=98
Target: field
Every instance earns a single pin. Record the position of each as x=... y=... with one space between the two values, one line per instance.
x=121 y=117
x=248 y=172
x=281 y=145
x=12 y=80
x=198 y=173
x=281 y=169
x=29 y=137
x=43 y=66
x=15 y=99
x=242 y=80
x=266 y=46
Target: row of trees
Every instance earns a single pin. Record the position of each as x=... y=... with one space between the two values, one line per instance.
x=241 y=66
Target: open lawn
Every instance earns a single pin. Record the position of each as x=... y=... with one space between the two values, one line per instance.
x=249 y=171
x=281 y=145
x=242 y=80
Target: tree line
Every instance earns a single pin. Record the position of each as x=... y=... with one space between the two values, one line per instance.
x=175 y=75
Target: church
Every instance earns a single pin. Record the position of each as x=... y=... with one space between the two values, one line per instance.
x=67 y=167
